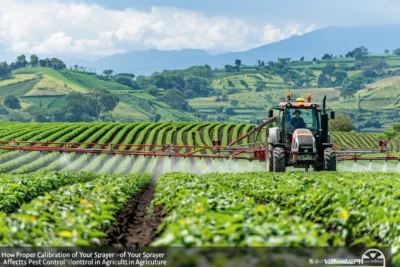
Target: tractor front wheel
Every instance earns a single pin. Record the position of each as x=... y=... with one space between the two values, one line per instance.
x=270 y=163
x=279 y=159
x=329 y=159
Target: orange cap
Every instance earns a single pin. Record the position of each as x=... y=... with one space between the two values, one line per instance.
x=309 y=97
x=288 y=94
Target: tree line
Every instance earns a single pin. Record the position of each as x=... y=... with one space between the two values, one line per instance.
x=21 y=62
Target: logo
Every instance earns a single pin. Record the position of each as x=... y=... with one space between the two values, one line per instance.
x=373 y=257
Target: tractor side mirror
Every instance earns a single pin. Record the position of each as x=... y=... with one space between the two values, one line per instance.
x=332 y=115
x=270 y=113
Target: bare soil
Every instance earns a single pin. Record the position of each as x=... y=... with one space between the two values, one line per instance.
x=134 y=227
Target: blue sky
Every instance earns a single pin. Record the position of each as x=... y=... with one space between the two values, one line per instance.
x=89 y=28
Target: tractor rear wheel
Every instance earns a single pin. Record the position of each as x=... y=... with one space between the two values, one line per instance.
x=329 y=159
x=279 y=159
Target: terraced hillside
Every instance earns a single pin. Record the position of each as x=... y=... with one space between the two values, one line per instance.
x=47 y=88
x=199 y=134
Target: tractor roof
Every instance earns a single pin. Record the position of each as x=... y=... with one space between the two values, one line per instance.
x=299 y=104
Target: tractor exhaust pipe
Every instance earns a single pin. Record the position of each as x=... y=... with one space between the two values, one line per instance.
x=324 y=123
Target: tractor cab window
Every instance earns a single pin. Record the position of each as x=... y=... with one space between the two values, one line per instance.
x=301 y=118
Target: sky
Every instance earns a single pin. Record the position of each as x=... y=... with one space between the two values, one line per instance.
x=89 y=28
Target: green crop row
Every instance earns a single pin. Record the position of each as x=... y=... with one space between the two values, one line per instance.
x=17 y=189
x=72 y=215
x=202 y=212
x=362 y=208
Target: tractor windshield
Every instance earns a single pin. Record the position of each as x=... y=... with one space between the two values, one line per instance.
x=301 y=118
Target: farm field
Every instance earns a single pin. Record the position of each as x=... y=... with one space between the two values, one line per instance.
x=67 y=199
x=179 y=133
x=215 y=209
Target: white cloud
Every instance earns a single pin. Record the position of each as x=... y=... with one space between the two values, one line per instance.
x=53 y=27
x=273 y=34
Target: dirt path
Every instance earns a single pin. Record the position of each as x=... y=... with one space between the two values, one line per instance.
x=133 y=227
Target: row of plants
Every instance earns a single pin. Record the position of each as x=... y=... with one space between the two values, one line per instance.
x=361 y=207
x=137 y=132
x=292 y=209
x=18 y=189
x=203 y=212
x=72 y=215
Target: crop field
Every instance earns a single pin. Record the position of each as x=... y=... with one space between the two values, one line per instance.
x=53 y=199
x=215 y=209
x=179 y=133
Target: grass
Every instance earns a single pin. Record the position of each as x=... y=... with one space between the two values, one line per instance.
x=52 y=82
x=46 y=101
x=17 y=78
x=18 y=89
x=90 y=82
x=245 y=81
x=123 y=110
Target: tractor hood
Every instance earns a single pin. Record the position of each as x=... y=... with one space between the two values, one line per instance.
x=303 y=141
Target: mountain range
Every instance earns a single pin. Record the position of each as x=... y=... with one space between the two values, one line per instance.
x=331 y=40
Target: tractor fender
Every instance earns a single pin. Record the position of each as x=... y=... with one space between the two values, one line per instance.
x=273 y=135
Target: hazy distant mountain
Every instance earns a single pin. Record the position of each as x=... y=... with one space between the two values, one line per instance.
x=147 y=62
x=332 y=40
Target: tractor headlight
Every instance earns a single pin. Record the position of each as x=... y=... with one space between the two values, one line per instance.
x=296 y=145
x=314 y=146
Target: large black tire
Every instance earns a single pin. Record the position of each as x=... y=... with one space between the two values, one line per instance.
x=270 y=163
x=279 y=159
x=318 y=168
x=329 y=159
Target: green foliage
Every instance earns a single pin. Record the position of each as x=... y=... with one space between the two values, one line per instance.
x=57 y=64
x=203 y=207
x=127 y=80
x=396 y=52
x=341 y=123
x=323 y=81
x=326 y=57
x=11 y=101
x=89 y=207
x=79 y=105
x=106 y=100
x=108 y=73
x=340 y=75
x=3 y=110
x=5 y=71
x=21 y=62
x=174 y=98
x=34 y=61
x=352 y=84
x=390 y=134
x=396 y=127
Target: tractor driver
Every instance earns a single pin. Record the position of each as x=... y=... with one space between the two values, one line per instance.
x=297 y=122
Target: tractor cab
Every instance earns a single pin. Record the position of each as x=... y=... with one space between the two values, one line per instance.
x=299 y=115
